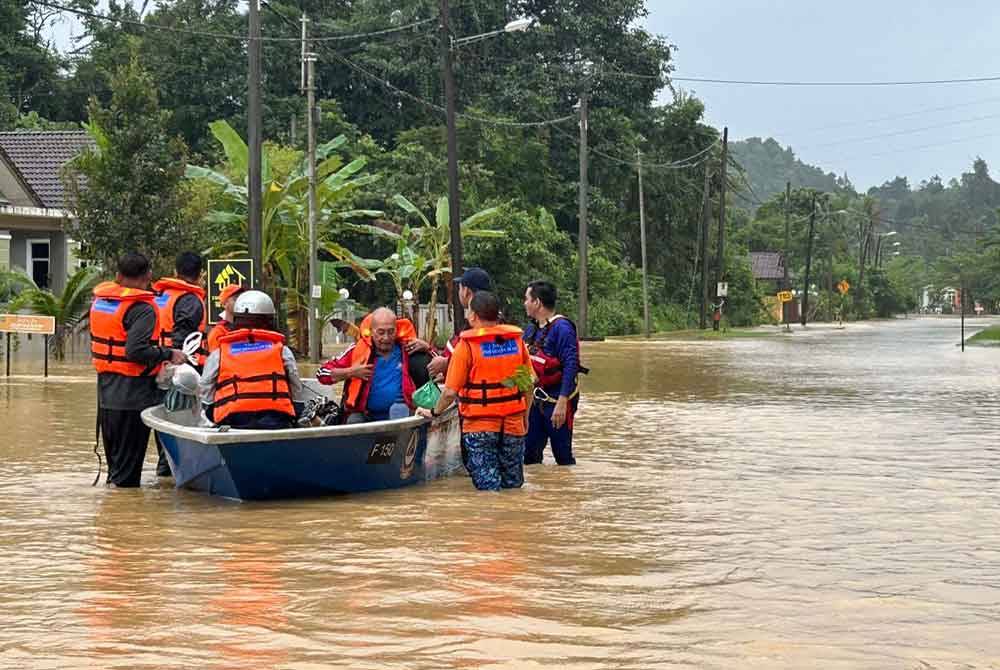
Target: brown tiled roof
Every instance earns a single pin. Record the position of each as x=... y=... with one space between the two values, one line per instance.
x=767 y=264
x=38 y=157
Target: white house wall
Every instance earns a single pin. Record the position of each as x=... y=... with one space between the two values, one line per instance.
x=58 y=254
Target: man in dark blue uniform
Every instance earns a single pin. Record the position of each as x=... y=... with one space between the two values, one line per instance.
x=555 y=356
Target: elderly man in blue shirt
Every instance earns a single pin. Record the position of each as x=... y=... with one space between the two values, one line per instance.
x=555 y=356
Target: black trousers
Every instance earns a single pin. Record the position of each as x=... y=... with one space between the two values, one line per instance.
x=125 y=439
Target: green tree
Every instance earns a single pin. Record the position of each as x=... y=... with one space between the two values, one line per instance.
x=422 y=253
x=126 y=190
x=29 y=72
x=284 y=224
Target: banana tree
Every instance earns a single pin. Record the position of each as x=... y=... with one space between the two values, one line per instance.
x=284 y=222
x=422 y=252
x=69 y=308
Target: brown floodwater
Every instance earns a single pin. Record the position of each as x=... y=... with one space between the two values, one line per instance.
x=827 y=499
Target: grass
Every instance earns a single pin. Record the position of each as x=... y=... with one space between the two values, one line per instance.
x=987 y=337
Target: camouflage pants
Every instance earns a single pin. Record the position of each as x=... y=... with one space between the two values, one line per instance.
x=494 y=461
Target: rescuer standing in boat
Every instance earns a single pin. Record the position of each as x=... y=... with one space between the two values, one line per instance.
x=181 y=303
x=555 y=357
x=126 y=352
x=480 y=373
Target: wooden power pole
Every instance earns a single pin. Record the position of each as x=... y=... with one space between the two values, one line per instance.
x=809 y=251
x=706 y=215
x=642 y=243
x=720 y=259
x=581 y=322
x=254 y=142
x=315 y=289
x=785 y=284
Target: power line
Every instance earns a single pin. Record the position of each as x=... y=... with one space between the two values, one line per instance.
x=681 y=164
x=897 y=133
x=893 y=117
x=919 y=147
x=226 y=36
x=385 y=83
x=757 y=82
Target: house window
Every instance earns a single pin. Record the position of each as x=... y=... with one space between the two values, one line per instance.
x=39 y=261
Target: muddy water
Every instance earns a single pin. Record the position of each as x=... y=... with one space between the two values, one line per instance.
x=827 y=499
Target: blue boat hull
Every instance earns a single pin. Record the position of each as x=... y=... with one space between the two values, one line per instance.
x=308 y=462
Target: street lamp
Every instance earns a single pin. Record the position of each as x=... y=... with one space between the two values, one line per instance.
x=878 y=247
x=448 y=45
x=515 y=26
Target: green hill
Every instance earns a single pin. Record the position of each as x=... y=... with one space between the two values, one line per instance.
x=768 y=166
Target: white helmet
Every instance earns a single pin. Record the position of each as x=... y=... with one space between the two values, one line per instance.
x=254 y=303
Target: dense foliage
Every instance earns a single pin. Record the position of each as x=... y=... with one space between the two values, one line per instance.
x=383 y=94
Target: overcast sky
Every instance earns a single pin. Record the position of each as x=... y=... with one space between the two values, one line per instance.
x=938 y=129
x=848 y=40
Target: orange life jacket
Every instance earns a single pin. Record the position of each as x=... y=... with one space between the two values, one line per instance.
x=168 y=291
x=107 y=329
x=497 y=352
x=252 y=375
x=355 y=389
x=219 y=330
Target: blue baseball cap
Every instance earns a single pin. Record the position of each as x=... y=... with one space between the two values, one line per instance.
x=475 y=279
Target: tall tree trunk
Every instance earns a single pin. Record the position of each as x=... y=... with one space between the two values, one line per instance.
x=431 y=321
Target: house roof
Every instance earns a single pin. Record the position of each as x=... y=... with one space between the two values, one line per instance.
x=767 y=264
x=37 y=158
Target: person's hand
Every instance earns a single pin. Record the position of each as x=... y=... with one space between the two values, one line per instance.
x=177 y=357
x=559 y=413
x=424 y=412
x=416 y=345
x=437 y=366
x=363 y=371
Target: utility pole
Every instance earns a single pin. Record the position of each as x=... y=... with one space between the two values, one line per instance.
x=642 y=242
x=720 y=270
x=455 y=223
x=706 y=215
x=581 y=322
x=254 y=143
x=809 y=251
x=315 y=289
x=785 y=285
x=962 y=298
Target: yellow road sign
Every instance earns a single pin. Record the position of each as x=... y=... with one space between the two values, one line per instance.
x=843 y=286
x=784 y=296
x=221 y=273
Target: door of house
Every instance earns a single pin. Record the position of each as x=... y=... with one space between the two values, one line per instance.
x=39 y=261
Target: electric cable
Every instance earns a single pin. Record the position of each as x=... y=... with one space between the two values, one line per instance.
x=385 y=83
x=759 y=82
x=227 y=36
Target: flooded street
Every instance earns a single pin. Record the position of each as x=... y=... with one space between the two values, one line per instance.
x=825 y=499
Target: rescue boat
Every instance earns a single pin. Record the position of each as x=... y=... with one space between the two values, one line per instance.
x=306 y=462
